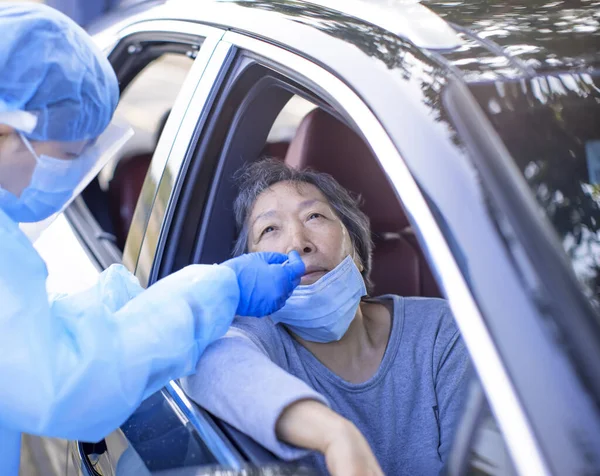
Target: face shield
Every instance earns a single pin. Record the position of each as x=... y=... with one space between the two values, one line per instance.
x=39 y=180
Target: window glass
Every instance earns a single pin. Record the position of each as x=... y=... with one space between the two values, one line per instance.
x=285 y=126
x=154 y=440
x=146 y=102
x=144 y=105
x=289 y=119
x=478 y=447
x=550 y=127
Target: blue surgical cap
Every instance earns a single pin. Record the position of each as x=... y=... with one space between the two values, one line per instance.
x=49 y=66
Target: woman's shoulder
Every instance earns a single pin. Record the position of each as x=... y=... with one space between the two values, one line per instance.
x=271 y=338
x=262 y=331
x=427 y=327
x=433 y=308
x=254 y=325
x=416 y=306
x=423 y=315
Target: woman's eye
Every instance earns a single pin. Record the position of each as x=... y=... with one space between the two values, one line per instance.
x=315 y=215
x=268 y=229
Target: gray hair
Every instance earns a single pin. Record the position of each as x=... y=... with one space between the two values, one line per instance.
x=255 y=178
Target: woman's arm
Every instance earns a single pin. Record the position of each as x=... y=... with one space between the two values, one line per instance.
x=310 y=424
x=237 y=381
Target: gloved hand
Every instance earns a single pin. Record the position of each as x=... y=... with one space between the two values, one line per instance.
x=266 y=280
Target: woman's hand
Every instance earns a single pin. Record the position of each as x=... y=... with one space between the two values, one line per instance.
x=312 y=425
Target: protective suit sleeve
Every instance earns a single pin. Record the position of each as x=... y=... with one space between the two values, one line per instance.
x=248 y=390
x=78 y=368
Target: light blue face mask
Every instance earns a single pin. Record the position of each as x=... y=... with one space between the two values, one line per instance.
x=55 y=182
x=51 y=186
x=323 y=311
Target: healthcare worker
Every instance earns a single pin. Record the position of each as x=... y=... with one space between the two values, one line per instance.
x=78 y=366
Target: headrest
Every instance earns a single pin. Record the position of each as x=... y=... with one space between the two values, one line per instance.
x=327 y=145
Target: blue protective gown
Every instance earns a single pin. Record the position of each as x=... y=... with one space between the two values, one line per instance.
x=77 y=367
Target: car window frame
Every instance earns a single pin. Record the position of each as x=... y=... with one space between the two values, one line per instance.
x=172 y=157
x=101 y=245
x=175 y=136
x=147 y=270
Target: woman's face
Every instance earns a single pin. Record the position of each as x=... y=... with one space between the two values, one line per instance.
x=289 y=216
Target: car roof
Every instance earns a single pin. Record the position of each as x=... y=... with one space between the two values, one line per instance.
x=544 y=35
x=479 y=39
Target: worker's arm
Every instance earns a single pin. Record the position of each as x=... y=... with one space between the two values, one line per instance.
x=78 y=370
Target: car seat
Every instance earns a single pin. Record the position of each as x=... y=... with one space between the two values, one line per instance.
x=325 y=144
x=276 y=150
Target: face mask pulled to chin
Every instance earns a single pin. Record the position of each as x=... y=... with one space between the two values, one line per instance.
x=322 y=312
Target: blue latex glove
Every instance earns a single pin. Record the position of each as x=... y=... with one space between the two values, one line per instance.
x=266 y=280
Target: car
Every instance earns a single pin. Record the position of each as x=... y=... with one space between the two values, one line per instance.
x=471 y=130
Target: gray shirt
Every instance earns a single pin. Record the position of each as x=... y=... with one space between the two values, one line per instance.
x=407 y=411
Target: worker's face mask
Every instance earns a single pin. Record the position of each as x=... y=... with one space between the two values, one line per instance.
x=55 y=181
x=323 y=311
x=52 y=184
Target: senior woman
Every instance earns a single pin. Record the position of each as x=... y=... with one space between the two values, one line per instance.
x=333 y=364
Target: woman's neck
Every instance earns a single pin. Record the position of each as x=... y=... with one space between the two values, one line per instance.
x=358 y=354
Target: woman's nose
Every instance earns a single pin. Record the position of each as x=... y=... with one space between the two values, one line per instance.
x=300 y=242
